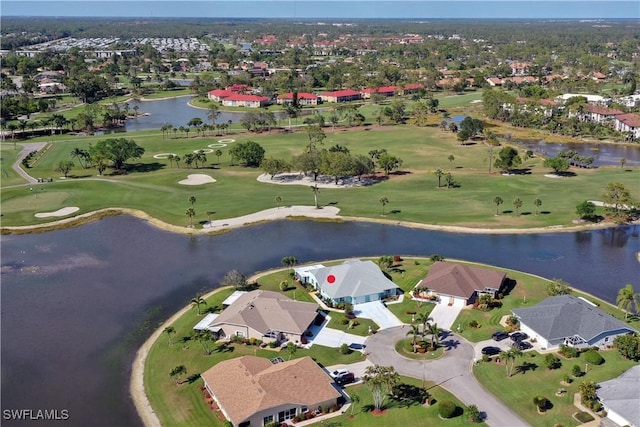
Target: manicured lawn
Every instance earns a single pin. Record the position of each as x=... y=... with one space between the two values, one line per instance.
x=9 y=155
x=413 y=195
x=400 y=412
x=533 y=379
x=405 y=348
x=362 y=328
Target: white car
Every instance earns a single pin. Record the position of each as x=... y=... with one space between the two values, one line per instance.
x=338 y=372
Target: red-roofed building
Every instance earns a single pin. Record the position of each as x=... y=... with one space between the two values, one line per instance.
x=304 y=98
x=519 y=68
x=599 y=114
x=341 y=95
x=494 y=81
x=242 y=100
x=412 y=88
x=384 y=91
x=628 y=123
x=219 y=94
x=240 y=88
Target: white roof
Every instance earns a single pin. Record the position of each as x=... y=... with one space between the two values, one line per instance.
x=206 y=320
x=307 y=268
x=590 y=98
x=233 y=297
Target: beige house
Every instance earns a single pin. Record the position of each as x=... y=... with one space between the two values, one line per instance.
x=252 y=391
x=460 y=285
x=264 y=315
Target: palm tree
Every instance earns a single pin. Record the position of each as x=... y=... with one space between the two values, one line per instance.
x=170 y=157
x=622 y=162
x=423 y=319
x=439 y=173
x=80 y=154
x=509 y=356
x=196 y=301
x=448 y=179
x=537 y=203
x=517 y=203
x=278 y=200
x=169 y=330
x=315 y=190
x=192 y=200
x=498 y=201
x=191 y=213
x=291 y=348
x=218 y=153
x=383 y=201
x=443 y=125
x=414 y=332
x=178 y=372
x=212 y=113
x=628 y=299
x=433 y=330
x=451 y=158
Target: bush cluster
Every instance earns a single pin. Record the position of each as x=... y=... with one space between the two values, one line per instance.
x=592 y=357
x=447 y=409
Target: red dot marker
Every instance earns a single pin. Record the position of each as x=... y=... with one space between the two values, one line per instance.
x=331 y=278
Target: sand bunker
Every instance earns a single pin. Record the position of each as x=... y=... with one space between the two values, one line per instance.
x=59 y=212
x=197 y=179
x=323 y=181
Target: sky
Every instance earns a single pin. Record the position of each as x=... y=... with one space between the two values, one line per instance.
x=329 y=9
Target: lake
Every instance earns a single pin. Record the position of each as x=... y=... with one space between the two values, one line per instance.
x=77 y=303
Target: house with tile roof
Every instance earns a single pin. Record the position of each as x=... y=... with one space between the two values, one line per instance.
x=264 y=315
x=620 y=397
x=242 y=100
x=344 y=95
x=570 y=320
x=353 y=281
x=599 y=114
x=304 y=98
x=459 y=284
x=384 y=91
x=253 y=391
x=628 y=123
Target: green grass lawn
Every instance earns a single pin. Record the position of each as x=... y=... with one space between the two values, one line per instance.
x=9 y=155
x=413 y=196
x=532 y=379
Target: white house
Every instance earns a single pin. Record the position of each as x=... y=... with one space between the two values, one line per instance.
x=569 y=320
x=620 y=397
x=354 y=281
x=628 y=123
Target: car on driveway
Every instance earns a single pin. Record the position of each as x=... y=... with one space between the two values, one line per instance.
x=518 y=336
x=357 y=346
x=522 y=345
x=346 y=378
x=499 y=335
x=338 y=372
x=490 y=350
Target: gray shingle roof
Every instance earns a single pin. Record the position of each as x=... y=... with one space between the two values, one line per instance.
x=622 y=395
x=564 y=316
x=354 y=278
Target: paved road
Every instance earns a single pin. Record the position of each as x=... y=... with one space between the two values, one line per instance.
x=27 y=148
x=453 y=372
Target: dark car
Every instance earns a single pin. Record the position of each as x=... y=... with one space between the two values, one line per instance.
x=518 y=336
x=499 y=336
x=356 y=346
x=522 y=345
x=490 y=351
x=346 y=378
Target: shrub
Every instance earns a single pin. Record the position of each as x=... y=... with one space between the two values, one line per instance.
x=576 y=371
x=416 y=262
x=436 y=257
x=397 y=259
x=447 y=409
x=273 y=344
x=592 y=357
x=474 y=324
x=583 y=417
x=541 y=402
x=474 y=414
x=513 y=321
x=551 y=361
x=344 y=348
x=568 y=352
x=567 y=379
x=486 y=358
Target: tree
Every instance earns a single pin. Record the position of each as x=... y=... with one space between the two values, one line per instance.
x=448 y=178
x=278 y=200
x=250 y=153
x=617 y=199
x=190 y=213
x=558 y=287
x=537 y=203
x=206 y=339
x=291 y=349
x=380 y=380
x=439 y=173
x=389 y=163
x=453 y=127
x=196 y=122
x=385 y=261
x=213 y=112
x=517 y=204
x=170 y=330
x=383 y=201
x=623 y=161
x=558 y=164
x=551 y=361
x=362 y=165
x=474 y=414
x=498 y=201
x=414 y=332
x=234 y=278
x=588 y=392
x=451 y=158
x=508 y=158
x=308 y=163
x=628 y=345
x=628 y=300
x=218 y=154
x=586 y=210
x=471 y=126
x=80 y=154
x=274 y=166
x=289 y=261
x=118 y=151
x=433 y=331
x=336 y=163
x=177 y=373
x=509 y=357
x=192 y=200
x=315 y=135
x=64 y=167
x=315 y=190
x=196 y=301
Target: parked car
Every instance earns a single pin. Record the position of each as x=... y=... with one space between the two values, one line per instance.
x=518 y=336
x=522 y=345
x=338 y=372
x=499 y=336
x=490 y=350
x=346 y=378
x=356 y=346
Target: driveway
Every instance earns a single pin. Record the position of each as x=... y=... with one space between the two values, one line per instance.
x=444 y=315
x=377 y=312
x=27 y=148
x=452 y=371
x=328 y=337
x=357 y=368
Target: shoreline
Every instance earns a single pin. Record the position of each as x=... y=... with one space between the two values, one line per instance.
x=307 y=214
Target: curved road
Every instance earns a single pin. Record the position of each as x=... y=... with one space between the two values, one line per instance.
x=453 y=372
